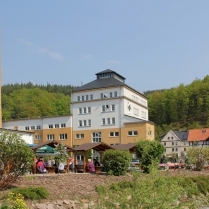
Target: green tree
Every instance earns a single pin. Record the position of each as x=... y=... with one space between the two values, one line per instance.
x=149 y=154
x=116 y=162
x=198 y=156
x=16 y=158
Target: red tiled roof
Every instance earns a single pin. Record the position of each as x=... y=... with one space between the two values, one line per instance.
x=198 y=134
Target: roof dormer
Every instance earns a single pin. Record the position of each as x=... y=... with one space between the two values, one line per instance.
x=109 y=73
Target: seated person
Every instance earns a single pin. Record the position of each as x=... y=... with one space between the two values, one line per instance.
x=90 y=166
x=59 y=167
x=40 y=165
x=71 y=164
x=96 y=162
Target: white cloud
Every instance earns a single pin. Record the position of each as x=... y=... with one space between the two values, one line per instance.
x=41 y=50
x=114 y=62
x=28 y=43
x=88 y=56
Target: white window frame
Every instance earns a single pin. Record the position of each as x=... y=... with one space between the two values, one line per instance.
x=63 y=125
x=63 y=136
x=51 y=126
x=38 y=127
x=57 y=125
x=114 y=134
x=132 y=133
x=79 y=136
x=96 y=137
x=50 y=136
x=38 y=137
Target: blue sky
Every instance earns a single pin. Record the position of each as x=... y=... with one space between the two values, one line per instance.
x=153 y=44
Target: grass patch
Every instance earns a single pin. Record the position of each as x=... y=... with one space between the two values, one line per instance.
x=32 y=193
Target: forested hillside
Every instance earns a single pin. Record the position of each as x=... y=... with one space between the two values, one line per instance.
x=177 y=108
x=29 y=100
x=181 y=107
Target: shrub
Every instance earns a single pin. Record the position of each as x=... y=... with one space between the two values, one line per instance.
x=14 y=201
x=32 y=193
x=149 y=154
x=116 y=162
x=16 y=158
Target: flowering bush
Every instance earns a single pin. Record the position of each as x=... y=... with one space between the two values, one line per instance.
x=14 y=201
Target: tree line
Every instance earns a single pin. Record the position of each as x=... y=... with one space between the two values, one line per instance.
x=181 y=107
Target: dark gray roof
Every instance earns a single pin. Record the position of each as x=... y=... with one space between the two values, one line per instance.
x=110 y=71
x=100 y=83
x=182 y=135
x=105 y=82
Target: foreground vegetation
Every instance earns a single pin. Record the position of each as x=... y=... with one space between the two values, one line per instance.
x=155 y=191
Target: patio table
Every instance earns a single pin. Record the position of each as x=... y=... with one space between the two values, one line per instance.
x=51 y=169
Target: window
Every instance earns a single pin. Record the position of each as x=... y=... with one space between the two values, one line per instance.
x=103 y=108
x=185 y=149
x=84 y=123
x=176 y=143
x=78 y=98
x=164 y=143
x=112 y=134
x=38 y=127
x=50 y=136
x=101 y=95
x=176 y=149
x=63 y=125
x=50 y=125
x=132 y=133
x=172 y=149
x=32 y=127
x=80 y=110
x=89 y=122
x=168 y=138
x=91 y=96
x=172 y=143
x=96 y=137
x=79 y=136
x=113 y=107
x=149 y=132
x=57 y=125
x=110 y=94
x=89 y=109
x=113 y=120
x=171 y=137
x=115 y=94
x=27 y=128
x=108 y=121
x=87 y=97
x=82 y=98
x=84 y=110
x=103 y=121
x=38 y=137
x=63 y=136
x=80 y=123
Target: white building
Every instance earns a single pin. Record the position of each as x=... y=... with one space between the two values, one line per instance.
x=105 y=109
